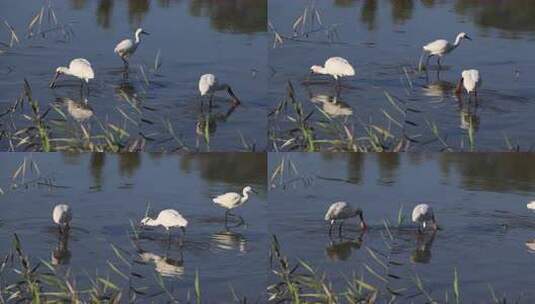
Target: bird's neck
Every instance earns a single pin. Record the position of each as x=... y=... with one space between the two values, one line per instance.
x=244 y=197
x=319 y=70
x=457 y=41
x=138 y=38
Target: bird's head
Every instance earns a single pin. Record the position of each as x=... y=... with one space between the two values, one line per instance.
x=360 y=214
x=140 y=31
x=316 y=69
x=59 y=71
x=248 y=189
x=145 y=221
x=463 y=35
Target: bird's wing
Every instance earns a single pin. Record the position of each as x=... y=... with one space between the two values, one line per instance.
x=334 y=210
x=436 y=46
x=227 y=197
x=82 y=67
x=123 y=46
x=206 y=82
x=171 y=215
x=339 y=66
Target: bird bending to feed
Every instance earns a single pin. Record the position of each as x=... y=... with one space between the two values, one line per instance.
x=231 y=200
x=337 y=67
x=531 y=205
x=471 y=81
x=62 y=216
x=441 y=47
x=126 y=48
x=422 y=214
x=79 y=68
x=209 y=85
x=342 y=211
x=168 y=218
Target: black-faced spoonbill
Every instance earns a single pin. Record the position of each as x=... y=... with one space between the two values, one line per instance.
x=62 y=216
x=337 y=67
x=126 y=48
x=231 y=200
x=442 y=47
x=422 y=214
x=168 y=218
x=209 y=85
x=79 y=68
x=471 y=81
x=340 y=211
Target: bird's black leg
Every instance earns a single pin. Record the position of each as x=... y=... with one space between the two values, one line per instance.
x=226 y=215
x=331 y=228
x=340 y=229
x=428 y=58
x=439 y=65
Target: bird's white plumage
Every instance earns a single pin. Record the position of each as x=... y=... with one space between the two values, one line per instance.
x=167 y=218
x=442 y=47
x=422 y=213
x=62 y=214
x=471 y=80
x=340 y=211
x=531 y=205
x=79 y=68
x=232 y=200
x=336 y=67
x=127 y=47
x=207 y=83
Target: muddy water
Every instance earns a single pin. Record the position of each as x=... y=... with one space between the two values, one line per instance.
x=479 y=201
x=107 y=192
x=383 y=40
x=191 y=37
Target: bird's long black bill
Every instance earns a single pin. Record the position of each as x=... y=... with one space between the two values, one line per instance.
x=53 y=82
x=234 y=97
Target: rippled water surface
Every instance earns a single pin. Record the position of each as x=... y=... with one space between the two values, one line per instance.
x=383 y=40
x=187 y=39
x=108 y=193
x=479 y=201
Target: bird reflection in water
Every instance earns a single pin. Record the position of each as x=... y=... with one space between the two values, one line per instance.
x=422 y=253
x=164 y=265
x=469 y=116
x=332 y=105
x=438 y=88
x=61 y=255
x=340 y=249
x=230 y=240
x=80 y=111
x=207 y=122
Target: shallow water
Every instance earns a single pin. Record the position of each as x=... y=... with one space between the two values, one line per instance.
x=479 y=202
x=383 y=40
x=106 y=192
x=193 y=38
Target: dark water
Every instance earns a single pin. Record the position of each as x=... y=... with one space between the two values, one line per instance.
x=107 y=191
x=479 y=201
x=227 y=38
x=383 y=40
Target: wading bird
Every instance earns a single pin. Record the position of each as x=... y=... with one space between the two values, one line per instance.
x=422 y=214
x=471 y=81
x=209 y=85
x=337 y=67
x=340 y=211
x=126 y=48
x=62 y=216
x=168 y=218
x=79 y=68
x=441 y=47
x=231 y=200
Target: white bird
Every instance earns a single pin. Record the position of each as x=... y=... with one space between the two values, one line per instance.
x=126 y=48
x=337 y=67
x=79 y=68
x=441 y=47
x=422 y=214
x=209 y=85
x=62 y=216
x=471 y=81
x=168 y=218
x=531 y=206
x=342 y=211
x=231 y=200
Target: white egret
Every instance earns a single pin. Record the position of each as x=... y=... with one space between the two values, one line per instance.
x=337 y=67
x=342 y=211
x=168 y=218
x=422 y=214
x=441 y=47
x=531 y=205
x=231 y=200
x=126 y=48
x=62 y=216
x=79 y=68
x=471 y=81
x=209 y=85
